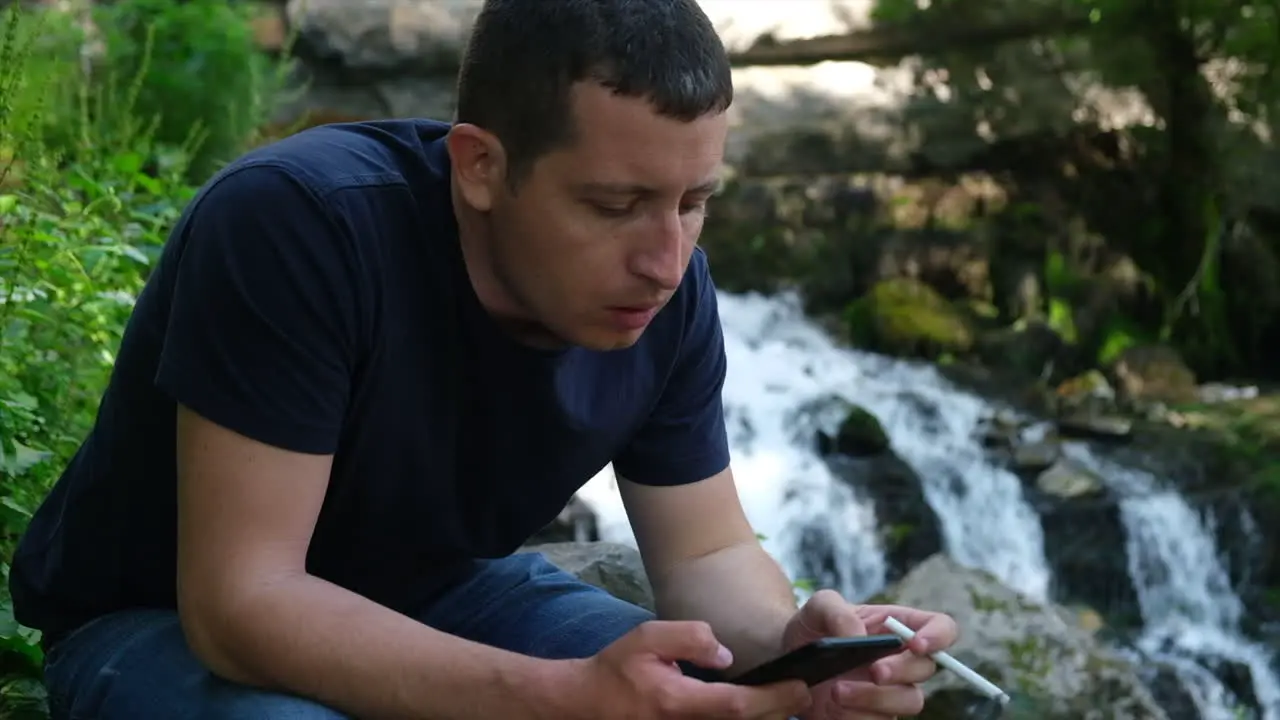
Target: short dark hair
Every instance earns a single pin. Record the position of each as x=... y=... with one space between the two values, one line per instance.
x=523 y=57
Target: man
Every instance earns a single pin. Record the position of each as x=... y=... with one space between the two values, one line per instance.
x=376 y=357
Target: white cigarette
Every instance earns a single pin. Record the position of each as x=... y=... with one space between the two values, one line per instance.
x=981 y=684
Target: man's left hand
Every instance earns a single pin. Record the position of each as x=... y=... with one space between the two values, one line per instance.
x=885 y=689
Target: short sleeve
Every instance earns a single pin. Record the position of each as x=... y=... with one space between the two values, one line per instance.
x=264 y=327
x=684 y=439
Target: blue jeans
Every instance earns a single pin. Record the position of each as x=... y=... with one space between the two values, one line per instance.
x=136 y=665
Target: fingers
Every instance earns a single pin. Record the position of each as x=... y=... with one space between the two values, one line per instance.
x=872 y=701
x=903 y=669
x=828 y=614
x=693 y=641
x=736 y=702
x=934 y=631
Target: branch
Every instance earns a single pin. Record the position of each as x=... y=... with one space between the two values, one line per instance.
x=877 y=44
x=893 y=43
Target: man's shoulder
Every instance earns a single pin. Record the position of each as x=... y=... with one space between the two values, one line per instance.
x=368 y=155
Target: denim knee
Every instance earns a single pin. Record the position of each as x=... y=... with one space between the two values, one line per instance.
x=136 y=664
x=232 y=702
x=525 y=604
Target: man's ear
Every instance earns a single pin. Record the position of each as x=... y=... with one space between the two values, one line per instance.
x=479 y=164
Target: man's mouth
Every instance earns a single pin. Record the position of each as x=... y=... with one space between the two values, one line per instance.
x=633 y=317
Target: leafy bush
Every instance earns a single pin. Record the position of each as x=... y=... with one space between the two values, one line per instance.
x=92 y=177
x=200 y=67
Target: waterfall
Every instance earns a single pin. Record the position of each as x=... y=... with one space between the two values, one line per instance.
x=780 y=362
x=1191 y=615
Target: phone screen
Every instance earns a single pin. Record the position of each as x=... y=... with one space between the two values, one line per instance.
x=822 y=660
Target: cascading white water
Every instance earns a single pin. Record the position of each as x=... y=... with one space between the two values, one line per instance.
x=779 y=362
x=1190 y=611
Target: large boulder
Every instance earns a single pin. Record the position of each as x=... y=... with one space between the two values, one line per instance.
x=1048 y=661
x=1046 y=656
x=577 y=522
x=612 y=567
x=908 y=526
x=858 y=432
x=1152 y=373
x=377 y=58
x=384 y=35
x=906 y=317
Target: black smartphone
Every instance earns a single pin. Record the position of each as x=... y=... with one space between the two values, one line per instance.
x=822 y=660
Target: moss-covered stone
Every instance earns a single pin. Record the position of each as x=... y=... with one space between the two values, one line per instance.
x=1053 y=668
x=861 y=434
x=906 y=317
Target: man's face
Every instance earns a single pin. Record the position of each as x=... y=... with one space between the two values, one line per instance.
x=598 y=234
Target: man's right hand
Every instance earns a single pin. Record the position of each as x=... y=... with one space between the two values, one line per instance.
x=637 y=677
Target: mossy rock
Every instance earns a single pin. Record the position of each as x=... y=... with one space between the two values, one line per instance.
x=861 y=434
x=906 y=317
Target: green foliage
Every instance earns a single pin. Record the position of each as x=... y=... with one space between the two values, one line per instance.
x=200 y=67
x=1119 y=335
x=182 y=73
x=1201 y=163
x=97 y=160
x=79 y=231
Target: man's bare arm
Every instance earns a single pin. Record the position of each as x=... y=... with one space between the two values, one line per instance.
x=706 y=563
x=246 y=512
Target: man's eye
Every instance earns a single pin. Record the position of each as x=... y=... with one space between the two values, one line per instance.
x=613 y=211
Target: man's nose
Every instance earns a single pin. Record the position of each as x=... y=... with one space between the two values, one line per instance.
x=662 y=258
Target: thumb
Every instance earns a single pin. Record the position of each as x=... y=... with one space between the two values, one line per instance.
x=829 y=615
x=693 y=641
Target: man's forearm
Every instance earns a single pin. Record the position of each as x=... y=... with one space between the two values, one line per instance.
x=741 y=591
x=312 y=638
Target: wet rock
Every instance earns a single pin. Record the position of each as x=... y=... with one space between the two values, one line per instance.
x=1089 y=426
x=860 y=435
x=1008 y=421
x=836 y=426
x=617 y=569
x=1066 y=480
x=909 y=528
x=1086 y=548
x=1055 y=670
x=1222 y=393
x=1238 y=680
x=1084 y=390
x=1152 y=373
x=1170 y=692
x=993 y=439
x=1035 y=457
x=1001 y=431
x=1027 y=351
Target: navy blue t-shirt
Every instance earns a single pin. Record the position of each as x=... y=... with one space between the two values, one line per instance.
x=313 y=297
